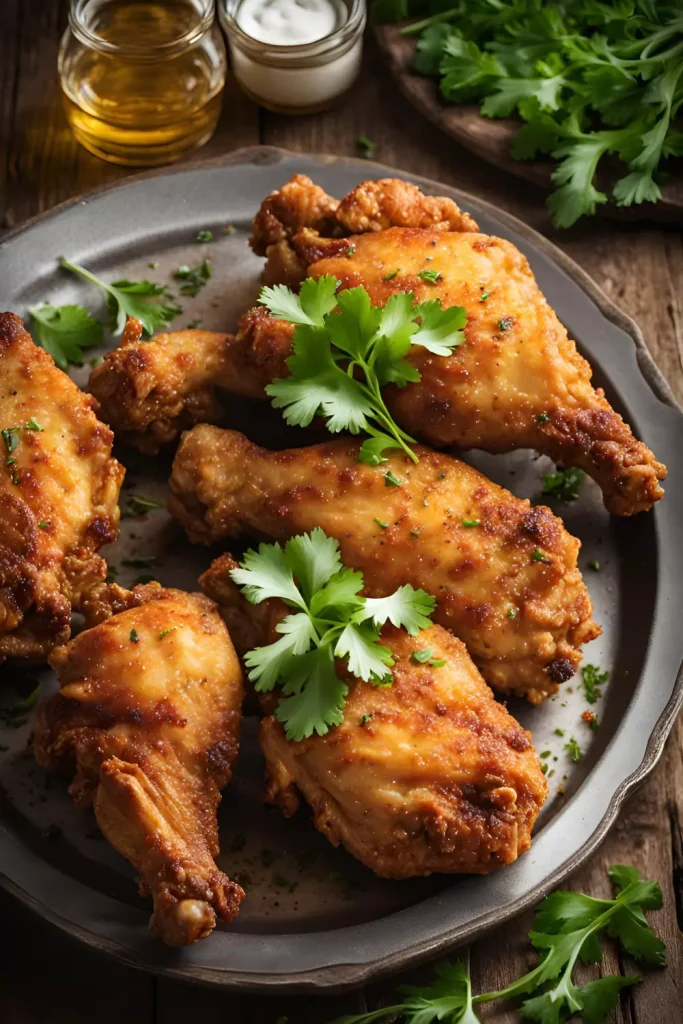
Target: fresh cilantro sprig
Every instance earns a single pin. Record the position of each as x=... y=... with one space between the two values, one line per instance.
x=329 y=620
x=65 y=332
x=345 y=350
x=147 y=302
x=563 y=483
x=588 y=79
x=566 y=930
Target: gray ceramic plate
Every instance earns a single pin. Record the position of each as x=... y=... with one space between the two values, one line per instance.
x=313 y=917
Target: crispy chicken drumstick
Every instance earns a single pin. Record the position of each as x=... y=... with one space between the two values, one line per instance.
x=149 y=711
x=429 y=774
x=504 y=574
x=59 y=490
x=517 y=382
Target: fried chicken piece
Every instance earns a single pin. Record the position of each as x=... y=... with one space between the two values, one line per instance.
x=504 y=574
x=59 y=489
x=517 y=382
x=150 y=391
x=429 y=774
x=149 y=711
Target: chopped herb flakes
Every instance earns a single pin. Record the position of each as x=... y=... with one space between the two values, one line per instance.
x=391 y=276
x=484 y=296
x=542 y=417
x=512 y=614
x=391 y=481
x=165 y=632
x=538 y=556
x=594 y=565
x=559 y=732
x=204 y=235
x=422 y=656
x=471 y=522
x=365 y=719
x=573 y=749
x=563 y=483
x=366 y=147
x=505 y=323
x=193 y=278
x=593 y=679
x=380 y=523
x=134 y=636
x=433 y=276
x=139 y=506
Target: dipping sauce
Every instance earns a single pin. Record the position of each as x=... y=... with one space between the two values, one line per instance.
x=294 y=56
x=290 y=22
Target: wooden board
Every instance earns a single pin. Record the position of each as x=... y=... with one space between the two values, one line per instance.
x=490 y=138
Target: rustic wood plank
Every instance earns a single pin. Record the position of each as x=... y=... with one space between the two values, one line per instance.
x=47 y=978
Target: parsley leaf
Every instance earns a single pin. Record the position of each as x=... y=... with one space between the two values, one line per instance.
x=345 y=350
x=329 y=620
x=587 y=80
x=64 y=332
x=563 y=483
x=145 y=301
x=566 y=929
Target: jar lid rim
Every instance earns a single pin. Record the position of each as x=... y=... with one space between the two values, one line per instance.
x=93 y=39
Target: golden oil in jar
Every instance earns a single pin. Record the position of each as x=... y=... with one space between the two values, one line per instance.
x=142 y=80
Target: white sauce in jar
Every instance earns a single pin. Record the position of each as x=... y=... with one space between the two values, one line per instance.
x=294 y=56
x=290 y=22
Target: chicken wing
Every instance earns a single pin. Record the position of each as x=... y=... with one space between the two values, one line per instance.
x=504 y=574
x=149 y=711
x=429 y=774
x=59 y=489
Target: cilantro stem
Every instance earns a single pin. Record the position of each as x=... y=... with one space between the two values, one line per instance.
x=382 y=414
x=417 y=26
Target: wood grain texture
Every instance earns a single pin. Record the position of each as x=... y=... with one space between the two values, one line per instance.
x=46 y=979
x=490 y=138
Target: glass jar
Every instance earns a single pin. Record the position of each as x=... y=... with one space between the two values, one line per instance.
x=142 y=80
x=301 y=79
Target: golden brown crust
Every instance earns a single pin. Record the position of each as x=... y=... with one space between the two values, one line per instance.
x=149 y=391
x=517 y=381
x=390 y=202
x=58 y=498
x=523 y=619
x=298 y=203
x=430 y=774
x=148 y=713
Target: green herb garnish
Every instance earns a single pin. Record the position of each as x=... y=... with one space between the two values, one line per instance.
x=565 y=930
x=366 y=147
x=563 y=483
x=590 y=81
x=193 y=278
x=65 y=332
x=573 y=749
x=331 y=345
x=329 y=620
x=433 y=276
x=145 y=301
x=140 y=561
x=133 y=635
x=391 y=480
x=205 y=235
x=471 y=522
x=538 y=556
x=390 y=276
x=139 y=506
x=593 y=679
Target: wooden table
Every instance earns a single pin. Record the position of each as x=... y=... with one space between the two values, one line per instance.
x=47 y=978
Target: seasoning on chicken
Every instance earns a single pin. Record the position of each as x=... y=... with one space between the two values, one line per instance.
x=149 y=712
x=504 y=574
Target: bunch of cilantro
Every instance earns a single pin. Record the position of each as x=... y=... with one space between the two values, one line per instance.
x=588 y=78
x=329 y=620
x=566 y=930
x=345 y=350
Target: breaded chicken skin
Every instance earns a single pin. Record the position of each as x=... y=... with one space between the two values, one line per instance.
x=148 y=713
x=428 y=774
x=504 y=574
x=59 y=490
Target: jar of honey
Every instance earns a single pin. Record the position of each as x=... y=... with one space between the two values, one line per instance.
x=142 y=80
